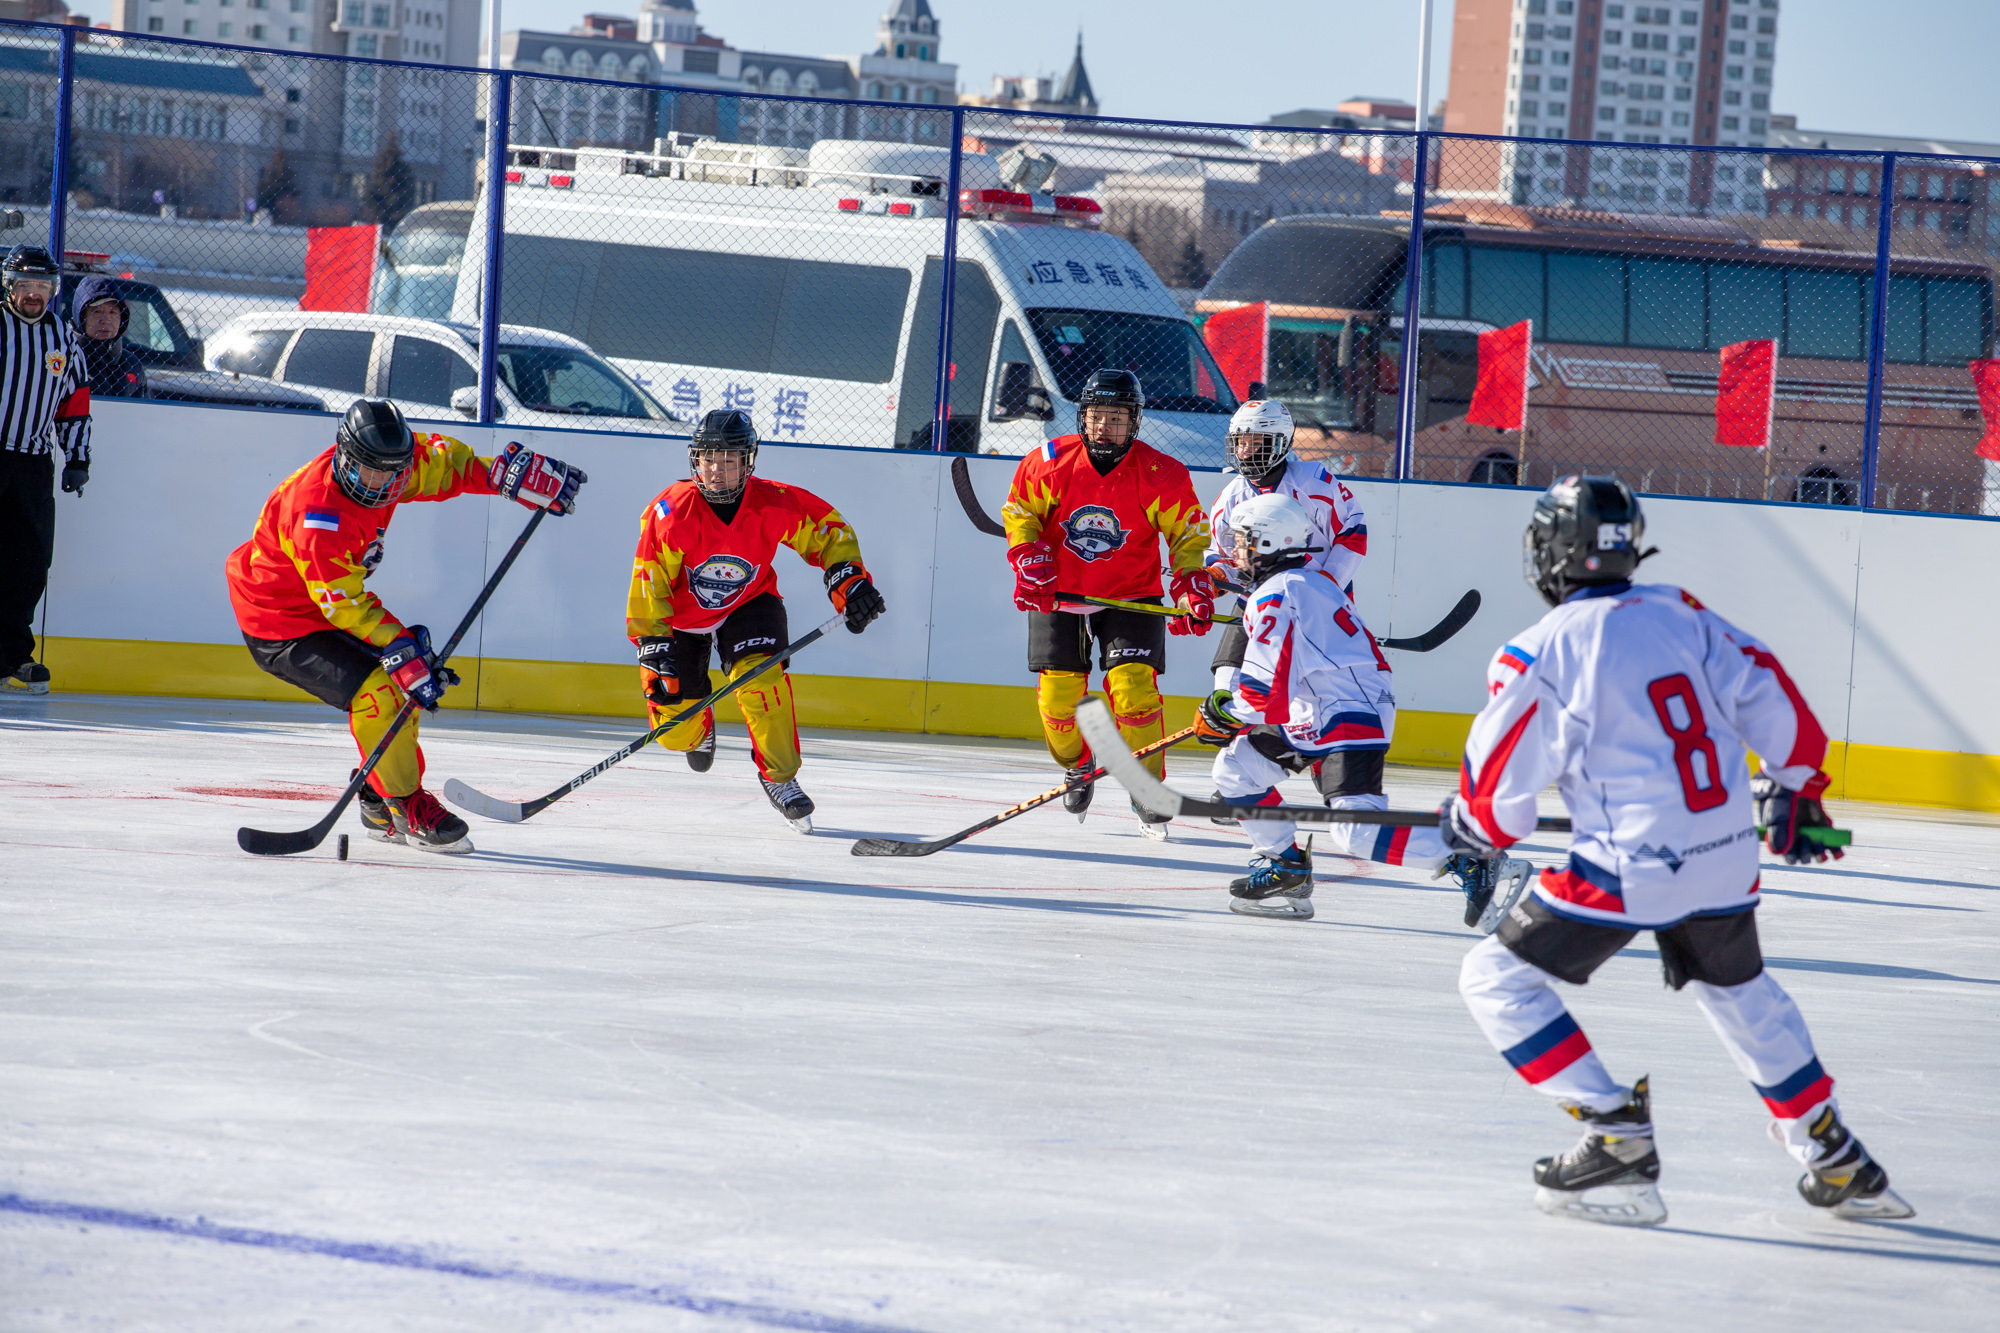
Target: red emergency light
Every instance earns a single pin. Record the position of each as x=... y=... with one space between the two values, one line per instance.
x=1015 y=206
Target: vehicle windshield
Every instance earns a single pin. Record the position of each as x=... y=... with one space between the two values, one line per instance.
x=562 y=379
x=1166 y=354
x=418 y=272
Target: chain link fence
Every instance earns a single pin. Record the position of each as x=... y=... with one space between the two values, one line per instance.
x=298 y=231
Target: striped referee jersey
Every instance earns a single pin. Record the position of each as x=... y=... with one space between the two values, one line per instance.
x=44 y=387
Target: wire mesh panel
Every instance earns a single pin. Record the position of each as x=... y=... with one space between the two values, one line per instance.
x=28 y=91
x=1944 y=241
x=260 y=216
x=779 y=255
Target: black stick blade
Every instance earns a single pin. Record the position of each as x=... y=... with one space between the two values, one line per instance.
x=1455 y=620
x=961 y=481
x=897 y=847
x=259 y=843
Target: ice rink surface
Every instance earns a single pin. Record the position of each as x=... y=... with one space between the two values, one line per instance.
x=653 y=1061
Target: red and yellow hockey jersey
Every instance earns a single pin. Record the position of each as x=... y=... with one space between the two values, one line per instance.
x=302 y=569
x=692 y=569
x=1101 y=526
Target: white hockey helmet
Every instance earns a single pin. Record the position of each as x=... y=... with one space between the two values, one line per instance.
x=1260 y=436
x=1271 y=530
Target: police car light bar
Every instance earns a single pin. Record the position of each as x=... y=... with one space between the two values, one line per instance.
x=1019 y=207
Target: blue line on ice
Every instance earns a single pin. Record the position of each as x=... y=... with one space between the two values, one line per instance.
x=390 y=1256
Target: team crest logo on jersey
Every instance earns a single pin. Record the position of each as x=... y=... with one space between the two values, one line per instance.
x=55 y=361
x=720 y=580
x=1092 y=532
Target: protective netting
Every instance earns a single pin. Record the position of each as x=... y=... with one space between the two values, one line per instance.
x=1700 y=320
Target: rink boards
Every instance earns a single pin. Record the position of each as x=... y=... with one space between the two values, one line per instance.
x=1869 y=611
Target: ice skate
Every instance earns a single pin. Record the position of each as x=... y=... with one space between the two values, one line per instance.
x=422 y=823
x=1220 y=820
x=1151 y=825
x=27 y=678
x=376 y=820
x=1279 y=886
x=1490 y=887
x=1847 y=1181
x=790 y=800
x=1612 y=1176
x=702 y=757
x=1077 y=799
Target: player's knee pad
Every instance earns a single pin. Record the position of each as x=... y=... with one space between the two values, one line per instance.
x=1059 y=692
x=374 y=706
x=1491 y=971
x=689 y=734
x=1350 y=773
x=1135 y=695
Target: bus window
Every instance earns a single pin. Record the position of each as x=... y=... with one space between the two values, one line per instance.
x=1954 y=321
x=1823 y=314
x=1506 y=285
x=1906 y=316
x=1586 y=299
x=1444 y=282
x=1743 y=303
x=1667 y=301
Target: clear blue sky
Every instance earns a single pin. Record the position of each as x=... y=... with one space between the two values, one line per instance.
x=1915 y=67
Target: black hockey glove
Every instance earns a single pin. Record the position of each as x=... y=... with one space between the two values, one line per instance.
x=1786 y=817
x=659 y=675
x=1213 y=723
x=73 y=478
x=1461 y=832
x=854 y=595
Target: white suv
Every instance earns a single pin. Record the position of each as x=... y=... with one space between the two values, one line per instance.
x=430 y=368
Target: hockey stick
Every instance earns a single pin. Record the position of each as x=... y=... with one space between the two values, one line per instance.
x=1454 y=621
x=513 y=812
x=1143 y=608
x=1093 y=719
x=259 y=843
x=898 y=847
x=961 y=481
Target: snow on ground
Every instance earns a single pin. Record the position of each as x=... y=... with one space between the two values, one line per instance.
x=653 y=1061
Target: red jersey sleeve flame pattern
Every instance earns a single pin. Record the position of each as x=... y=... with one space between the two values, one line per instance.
x=303 y=568
x=691 y=569
x=1102 y=527
x=1640 y=704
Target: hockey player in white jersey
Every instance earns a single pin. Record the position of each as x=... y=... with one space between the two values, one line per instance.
x=1639 y=704
x=1314 y=693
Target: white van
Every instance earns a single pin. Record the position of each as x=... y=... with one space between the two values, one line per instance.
x=805 y=286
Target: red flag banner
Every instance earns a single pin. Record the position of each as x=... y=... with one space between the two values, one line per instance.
x=340 y=265
x=1746 y=388
x=1986 y=379
x=1500 y=399
x=1239 y=338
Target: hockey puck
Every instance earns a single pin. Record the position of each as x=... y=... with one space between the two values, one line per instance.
x=340 y=849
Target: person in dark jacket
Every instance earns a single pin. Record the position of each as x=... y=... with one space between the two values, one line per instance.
x=102 y=317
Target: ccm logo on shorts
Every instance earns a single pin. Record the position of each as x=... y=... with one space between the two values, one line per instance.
x=1131 y=652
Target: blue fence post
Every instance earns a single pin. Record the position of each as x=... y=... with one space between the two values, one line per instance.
x=1406 y=417
x=1878 y=333
x=941 y=419
x=500 y=110
x=59 y=177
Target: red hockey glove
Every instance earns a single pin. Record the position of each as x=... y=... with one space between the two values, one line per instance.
x=659 y=677
x=1214 y=724
x=1034 y=576
x=1787 y=815
x=853 y=594
x=412 y=665
x=1195 y=590
x=536 y=480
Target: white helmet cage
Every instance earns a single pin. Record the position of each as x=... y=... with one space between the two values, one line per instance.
x=1267 y=424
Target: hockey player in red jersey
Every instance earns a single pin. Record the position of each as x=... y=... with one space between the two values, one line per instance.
x=703 y=574
x=1314 y=692
x=297 y=587
x=1639 y=704
x=1085 y=518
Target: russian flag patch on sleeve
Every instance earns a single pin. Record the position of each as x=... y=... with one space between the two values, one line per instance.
x=660 y=508
x=324 y=520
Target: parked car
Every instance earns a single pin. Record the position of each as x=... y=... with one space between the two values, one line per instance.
x=430 y=368
x=179 y=385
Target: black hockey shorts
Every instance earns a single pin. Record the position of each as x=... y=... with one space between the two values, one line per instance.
x=1350 y=773
x=1060 y=640
x=757 y=628
x=1229 y=652
x=328 y=664
x=1720 y=950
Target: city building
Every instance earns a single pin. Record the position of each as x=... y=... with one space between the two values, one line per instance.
x=1377 y=132
x=1688 y=72
x=1070 y=95
x=1940 y=206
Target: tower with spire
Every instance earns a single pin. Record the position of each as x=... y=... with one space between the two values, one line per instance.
x=1072 y=95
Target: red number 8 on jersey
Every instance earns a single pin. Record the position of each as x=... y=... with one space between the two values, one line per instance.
x=1689 y=741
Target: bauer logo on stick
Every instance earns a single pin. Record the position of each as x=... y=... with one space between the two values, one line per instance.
x=720 y=580
x=1093 y=532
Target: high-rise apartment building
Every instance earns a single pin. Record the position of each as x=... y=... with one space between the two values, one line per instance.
x=1608 y=71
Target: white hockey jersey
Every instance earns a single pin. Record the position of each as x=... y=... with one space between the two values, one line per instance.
x=1638 y=703
x=1338 y=523
x=1312 y=667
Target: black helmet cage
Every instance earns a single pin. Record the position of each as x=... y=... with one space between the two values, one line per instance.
x=723 y=430
x=1585 y=531
x=1111 y=388
x=374 y=435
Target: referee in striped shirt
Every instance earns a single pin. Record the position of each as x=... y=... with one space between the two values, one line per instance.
x=44 y=401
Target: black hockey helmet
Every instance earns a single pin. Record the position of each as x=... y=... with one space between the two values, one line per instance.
x=1585 y=531
x=725 y=430
x=30 y=261
x=374 y=435
x=1111 y=388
